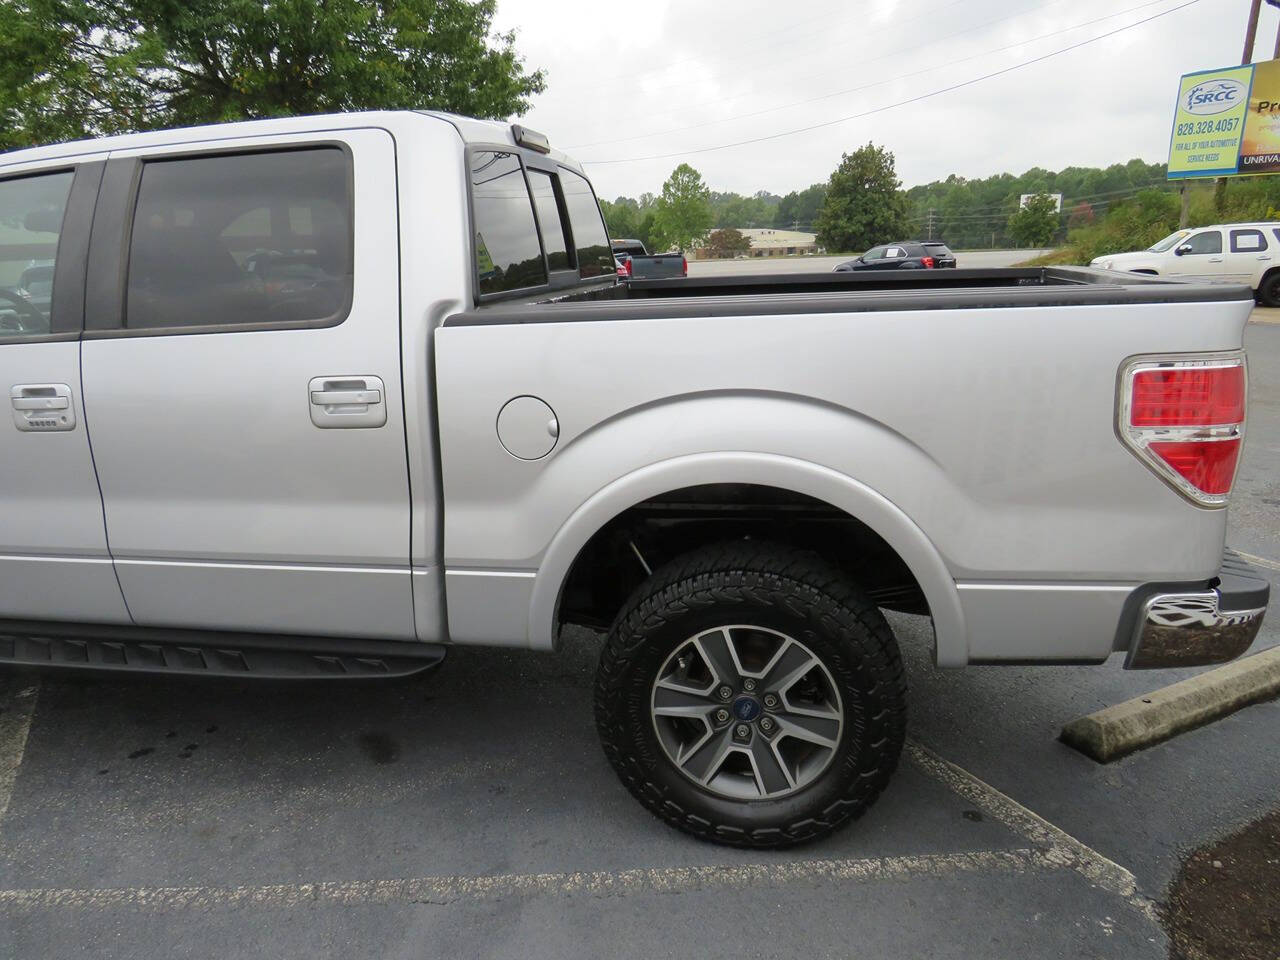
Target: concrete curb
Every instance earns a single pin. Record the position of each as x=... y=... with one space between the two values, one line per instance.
x=1145 y=721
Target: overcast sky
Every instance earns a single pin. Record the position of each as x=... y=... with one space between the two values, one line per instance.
x=639 y=79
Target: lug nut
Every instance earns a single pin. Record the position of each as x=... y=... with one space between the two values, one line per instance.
x=770 y=700
x=748 y=684
x=742 y=731
x=722 y=715
x=766 y=724
x=726 y=692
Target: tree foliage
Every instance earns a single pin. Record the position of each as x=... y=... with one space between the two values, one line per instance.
x=975 y=213
x=1082 y=215
x=83 y=68
x=682 y=212
x=727 y=242
x=864 y=203
x=1035 y=223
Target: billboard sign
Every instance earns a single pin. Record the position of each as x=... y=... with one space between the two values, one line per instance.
x=1227 y=123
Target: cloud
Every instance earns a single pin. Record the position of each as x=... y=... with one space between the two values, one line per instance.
x=689 y=76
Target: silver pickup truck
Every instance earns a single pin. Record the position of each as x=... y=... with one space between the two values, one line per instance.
x=323 y=397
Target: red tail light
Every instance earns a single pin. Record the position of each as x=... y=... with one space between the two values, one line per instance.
x=684 y=266
x=1187 y=396
x=927 y=261
x=1185 y=419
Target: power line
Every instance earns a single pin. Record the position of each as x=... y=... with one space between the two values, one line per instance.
x=877 y=83
x=770 y=44
x=1004 y=209
x=900 y=103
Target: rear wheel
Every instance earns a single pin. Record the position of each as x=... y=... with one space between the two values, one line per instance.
x=750 y=694
x=1269 y=290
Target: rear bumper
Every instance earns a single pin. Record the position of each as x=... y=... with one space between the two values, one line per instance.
x=1213 y=624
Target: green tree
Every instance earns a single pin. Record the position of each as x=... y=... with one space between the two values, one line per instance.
x=82 y=68
x=799 y=209
x=682 y=213
x=727 y=242
x=622 y=219
x=864 y=205
x=1035 y=224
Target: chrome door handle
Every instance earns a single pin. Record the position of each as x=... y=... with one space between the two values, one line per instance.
x=1266 y=257
x=42 y=407
x=346 y=403
x=1215 y=259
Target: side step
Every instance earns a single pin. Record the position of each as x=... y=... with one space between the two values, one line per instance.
x=128 y=649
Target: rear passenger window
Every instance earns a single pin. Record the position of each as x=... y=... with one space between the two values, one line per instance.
x=595 y=257
x=31 y=210
x=508 y=256
x=543 y=188
x=1247 y=241
x=241 y=239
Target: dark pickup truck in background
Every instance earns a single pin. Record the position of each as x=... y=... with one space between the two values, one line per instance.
x=636 y=263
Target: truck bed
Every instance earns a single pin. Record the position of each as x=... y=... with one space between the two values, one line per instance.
x=804 y=293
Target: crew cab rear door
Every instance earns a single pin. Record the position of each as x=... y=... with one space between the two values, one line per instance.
x=242 y=377
x=54 y=563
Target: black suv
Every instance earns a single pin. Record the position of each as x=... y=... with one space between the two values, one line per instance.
x=909 y=255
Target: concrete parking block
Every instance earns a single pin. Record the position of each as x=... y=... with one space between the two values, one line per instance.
x=1144 y=721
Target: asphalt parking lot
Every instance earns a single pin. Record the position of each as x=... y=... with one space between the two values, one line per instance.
x=470 y=813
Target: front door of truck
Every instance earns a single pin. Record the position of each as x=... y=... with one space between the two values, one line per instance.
x=1199 y=257
x=242 y=371
x=54 y=563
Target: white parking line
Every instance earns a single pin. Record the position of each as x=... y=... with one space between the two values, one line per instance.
x=1058 y=845
x=1260 y=561
x=1053 y=848
x=15 y=724
x=443 y=890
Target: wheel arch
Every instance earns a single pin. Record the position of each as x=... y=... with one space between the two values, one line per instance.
x=843 y=493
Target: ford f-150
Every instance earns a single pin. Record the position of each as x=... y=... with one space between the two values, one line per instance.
x=326 y=396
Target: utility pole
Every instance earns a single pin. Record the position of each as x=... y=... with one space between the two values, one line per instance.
x=930 y=223
x=1250 y=32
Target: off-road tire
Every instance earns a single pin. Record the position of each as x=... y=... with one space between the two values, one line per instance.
x=777 y=587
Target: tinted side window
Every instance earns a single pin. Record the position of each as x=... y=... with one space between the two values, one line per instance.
x=31 y=210
x=595 y=258
x=875 y=253
x=241 y=239
x=508 y=256
x=1210 y=242
x=1247 y=241
x=544 y=199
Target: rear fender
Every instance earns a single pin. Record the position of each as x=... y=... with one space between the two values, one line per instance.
x=798 y=476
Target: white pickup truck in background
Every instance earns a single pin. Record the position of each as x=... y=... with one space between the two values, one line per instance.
x=1245 y=253
x=323 y=397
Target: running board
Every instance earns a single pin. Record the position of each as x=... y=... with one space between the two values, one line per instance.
x=127 y=649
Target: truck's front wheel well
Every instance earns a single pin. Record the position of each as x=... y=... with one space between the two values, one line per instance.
x=623 y=552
